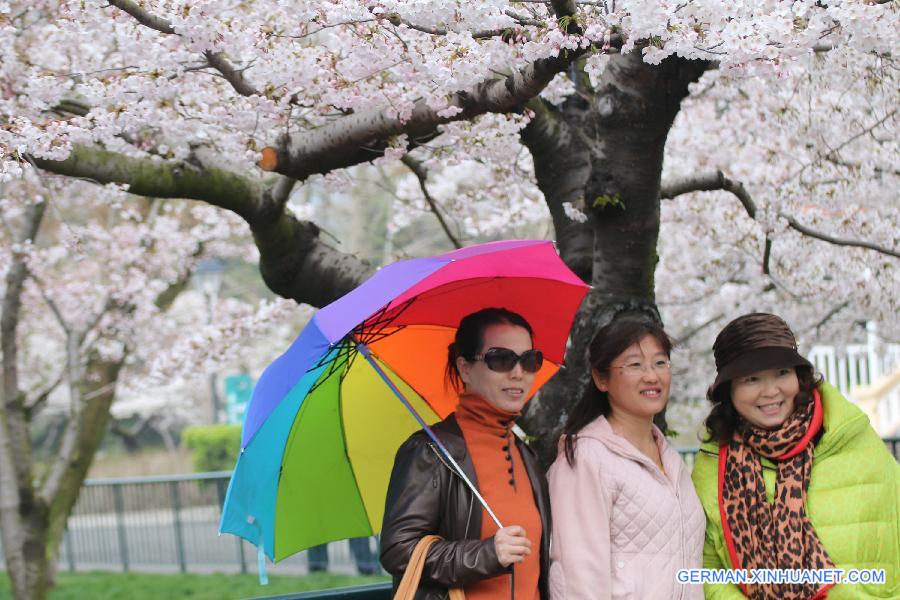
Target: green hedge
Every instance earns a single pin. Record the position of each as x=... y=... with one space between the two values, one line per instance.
x=214 y=447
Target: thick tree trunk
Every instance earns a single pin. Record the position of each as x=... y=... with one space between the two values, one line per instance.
x=559 y=143
x=614 y=147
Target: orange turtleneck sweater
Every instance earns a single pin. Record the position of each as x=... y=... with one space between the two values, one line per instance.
x=504 y=484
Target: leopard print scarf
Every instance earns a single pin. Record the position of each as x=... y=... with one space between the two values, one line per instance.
x=779 y=536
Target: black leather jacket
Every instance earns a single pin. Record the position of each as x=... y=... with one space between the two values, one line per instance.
x=425 y=496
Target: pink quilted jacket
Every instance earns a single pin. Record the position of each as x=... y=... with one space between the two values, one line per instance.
x=621 y=527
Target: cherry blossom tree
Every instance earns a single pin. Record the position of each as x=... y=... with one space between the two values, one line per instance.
x=699 y=157
x=89 y=277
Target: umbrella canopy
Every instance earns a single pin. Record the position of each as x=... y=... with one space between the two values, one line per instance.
x=322 y=427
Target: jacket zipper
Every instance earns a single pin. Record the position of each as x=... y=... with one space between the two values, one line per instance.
x=674 y=487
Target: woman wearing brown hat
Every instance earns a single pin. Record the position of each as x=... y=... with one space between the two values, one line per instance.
x=792 y=476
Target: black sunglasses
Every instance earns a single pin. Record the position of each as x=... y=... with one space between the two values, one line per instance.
x=504 y=360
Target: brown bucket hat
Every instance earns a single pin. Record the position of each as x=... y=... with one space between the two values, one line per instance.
x=754 y=342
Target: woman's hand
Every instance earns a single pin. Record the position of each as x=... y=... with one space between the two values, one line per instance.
x=511 y=545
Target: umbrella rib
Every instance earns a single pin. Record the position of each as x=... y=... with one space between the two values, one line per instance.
x=378 y=322
x=371 y=360
x=377 y=336
x=337 y=362
x=350 y=360
x=405 y=380
x=374 y=328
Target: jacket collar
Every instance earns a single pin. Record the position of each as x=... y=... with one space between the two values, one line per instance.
x=451 y=436
x=600 y=430
x=842 y=421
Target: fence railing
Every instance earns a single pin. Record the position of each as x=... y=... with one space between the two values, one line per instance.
x=170 y=524
x=857 y=366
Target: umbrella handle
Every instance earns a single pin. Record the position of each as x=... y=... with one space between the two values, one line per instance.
x=364 y=350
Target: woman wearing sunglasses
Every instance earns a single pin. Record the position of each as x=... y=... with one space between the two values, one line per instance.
x=791 y=475
x=626 y=517
x=492 y=363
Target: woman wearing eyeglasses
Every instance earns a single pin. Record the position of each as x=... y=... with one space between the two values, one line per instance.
x=626 y=517
x=492 y=363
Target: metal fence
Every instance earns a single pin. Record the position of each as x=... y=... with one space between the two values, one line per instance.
x=170 y=524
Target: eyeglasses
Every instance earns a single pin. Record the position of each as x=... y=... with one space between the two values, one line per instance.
x=637 y=368
x=504 y=360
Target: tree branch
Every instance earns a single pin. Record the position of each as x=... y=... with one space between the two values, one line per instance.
x=34 y=403
x=71 y=433
x=421 y=174
x=89 y=411
x=85 y=340
x=718 y=181
x=833 y=152
x=858 y=167
x=143 y=17
x=707 y=183
x=57 y=314
x=830 y=315
x=159 y=179
x=522 y=19
x=294 y=261
x=838 y=241
x=396 y=20
x=71 y=107
x=130 y=432
x=82 y=436
x=767 y=255
x=687 y=335
x=363 y=136
x=216 y=60
x=282 y=190
x=232 y=75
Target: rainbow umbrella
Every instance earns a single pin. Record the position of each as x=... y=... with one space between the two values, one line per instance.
x=326 y=418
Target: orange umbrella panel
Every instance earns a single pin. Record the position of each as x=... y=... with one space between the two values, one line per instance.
x=409 y=352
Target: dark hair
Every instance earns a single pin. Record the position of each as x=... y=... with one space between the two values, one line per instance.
x=470 y=337
x=610 y=341
x=724 y=420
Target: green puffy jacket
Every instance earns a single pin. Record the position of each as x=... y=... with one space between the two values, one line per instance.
x=852 y=501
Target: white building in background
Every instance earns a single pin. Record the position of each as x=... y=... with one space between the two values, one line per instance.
x=868 y=374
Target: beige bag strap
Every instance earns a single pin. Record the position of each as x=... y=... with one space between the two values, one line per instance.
x=410 y=582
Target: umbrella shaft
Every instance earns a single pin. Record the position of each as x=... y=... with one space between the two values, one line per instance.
x=364 y=350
